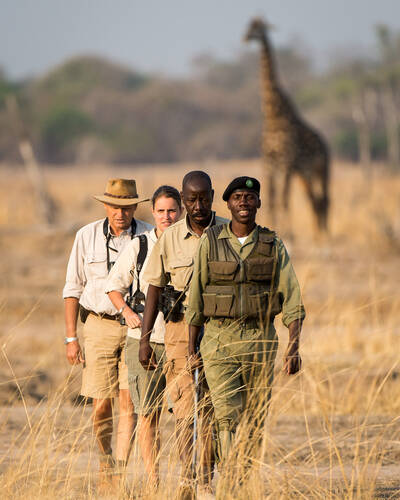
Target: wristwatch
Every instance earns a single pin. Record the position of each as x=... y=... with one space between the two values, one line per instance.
x=67 y=340
x=122 y=308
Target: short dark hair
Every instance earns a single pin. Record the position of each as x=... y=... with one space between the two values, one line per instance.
x=196 y=174
x=168 y=192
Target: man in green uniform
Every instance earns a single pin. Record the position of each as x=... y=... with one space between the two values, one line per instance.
x=242 y=279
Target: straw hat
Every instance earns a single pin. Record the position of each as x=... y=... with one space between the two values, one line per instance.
x=120 y=192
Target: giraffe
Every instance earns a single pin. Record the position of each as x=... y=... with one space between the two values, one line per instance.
x=289 y=145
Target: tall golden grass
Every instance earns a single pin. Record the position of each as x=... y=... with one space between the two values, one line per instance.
x=333 y=430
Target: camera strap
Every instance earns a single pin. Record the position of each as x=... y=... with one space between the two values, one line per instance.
x=108 y=235
x=143 y=246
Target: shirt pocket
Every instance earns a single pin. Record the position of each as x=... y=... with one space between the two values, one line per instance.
x=180 y=270
x=96 y=265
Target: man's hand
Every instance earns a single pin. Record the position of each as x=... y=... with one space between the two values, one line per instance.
x=131 y=318
x=292 y=359
x=74 y=353
x=146 y=356
x=194 y=361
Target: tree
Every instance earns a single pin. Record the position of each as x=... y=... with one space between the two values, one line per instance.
x=388 y=76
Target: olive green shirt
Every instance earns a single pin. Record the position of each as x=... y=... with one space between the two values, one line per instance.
x=172 y=257
x=287 y=284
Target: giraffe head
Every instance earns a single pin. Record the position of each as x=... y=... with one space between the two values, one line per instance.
x=257 y=30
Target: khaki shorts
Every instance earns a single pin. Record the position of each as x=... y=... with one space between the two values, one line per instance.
x=147 y=387
x=104 y=371
x=180 y=383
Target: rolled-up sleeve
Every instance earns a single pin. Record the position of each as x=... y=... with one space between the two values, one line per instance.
x=194 y=313
x=121 y=274
x=76 y=279
x=155 y=273
x=288 y=288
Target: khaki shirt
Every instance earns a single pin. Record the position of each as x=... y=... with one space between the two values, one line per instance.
x=87 y=265
x=288 y=286
x=172 y=257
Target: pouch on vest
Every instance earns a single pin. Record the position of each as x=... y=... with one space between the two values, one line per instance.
x=257 y=304
x=222 y=271
x=260 y=268
x=218 y=302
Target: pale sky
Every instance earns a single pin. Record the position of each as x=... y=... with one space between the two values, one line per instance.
x=164 y=35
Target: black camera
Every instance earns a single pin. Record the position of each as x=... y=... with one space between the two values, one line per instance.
x=170 y=304
x=136 y=303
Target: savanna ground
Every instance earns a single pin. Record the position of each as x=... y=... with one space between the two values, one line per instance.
x=333 y=431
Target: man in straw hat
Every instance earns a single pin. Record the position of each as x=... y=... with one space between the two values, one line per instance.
x=105 y=375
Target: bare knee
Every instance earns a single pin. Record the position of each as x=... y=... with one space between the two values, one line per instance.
x=125 y=402
x=102 y=409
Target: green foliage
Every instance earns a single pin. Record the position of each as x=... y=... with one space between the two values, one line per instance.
x=345 y=143
x=213 y=113
x=7 y=87
x=378 y=146
x=61 y=127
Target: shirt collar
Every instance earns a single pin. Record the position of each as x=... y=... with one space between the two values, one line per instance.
x=153 y=235
x=226 y=232
x=189 y=231
x=126 y=232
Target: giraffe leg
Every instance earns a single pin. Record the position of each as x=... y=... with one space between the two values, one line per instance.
x=287 y=223
x=271 y=194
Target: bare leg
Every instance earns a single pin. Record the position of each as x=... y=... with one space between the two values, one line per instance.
x=126 y=426
x=103 y=428
x=103 y=424
x=149 y=442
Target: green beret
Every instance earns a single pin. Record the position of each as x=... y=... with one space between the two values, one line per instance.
x=244 y=182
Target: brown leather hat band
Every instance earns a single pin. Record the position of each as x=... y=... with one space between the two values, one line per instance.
x=120 y=196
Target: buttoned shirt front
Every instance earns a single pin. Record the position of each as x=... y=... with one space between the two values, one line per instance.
x=171 y=260
x=87 y=266
x=123 y=274
x=287 y=284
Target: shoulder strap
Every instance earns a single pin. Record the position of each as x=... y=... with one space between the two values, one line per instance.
x=143 y=246
x=266 y=234
x=212 y=234
x=105 y=227
x=133 y=227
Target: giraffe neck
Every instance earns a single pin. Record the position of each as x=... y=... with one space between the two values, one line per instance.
x=268 y=69
x=274 y=103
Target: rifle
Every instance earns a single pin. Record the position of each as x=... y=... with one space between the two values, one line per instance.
x=197 y=396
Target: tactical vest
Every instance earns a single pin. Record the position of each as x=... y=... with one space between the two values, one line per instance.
x=241 y=288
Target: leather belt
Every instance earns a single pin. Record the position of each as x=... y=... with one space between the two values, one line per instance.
x=105 y=316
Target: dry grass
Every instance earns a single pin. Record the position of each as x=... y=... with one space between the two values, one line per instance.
x=333 y=431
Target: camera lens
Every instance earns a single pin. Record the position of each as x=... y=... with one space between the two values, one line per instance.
x=139 y=308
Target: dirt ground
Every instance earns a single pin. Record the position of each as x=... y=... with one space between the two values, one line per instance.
x=333 y=430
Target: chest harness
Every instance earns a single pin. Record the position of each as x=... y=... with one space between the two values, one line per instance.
x=241 y=288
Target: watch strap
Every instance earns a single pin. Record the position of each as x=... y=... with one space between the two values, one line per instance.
x=67 y=340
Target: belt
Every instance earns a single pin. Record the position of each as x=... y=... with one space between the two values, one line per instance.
x=114 y=317
x=242 y=323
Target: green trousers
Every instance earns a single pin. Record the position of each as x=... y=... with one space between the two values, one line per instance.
x=238 y=361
